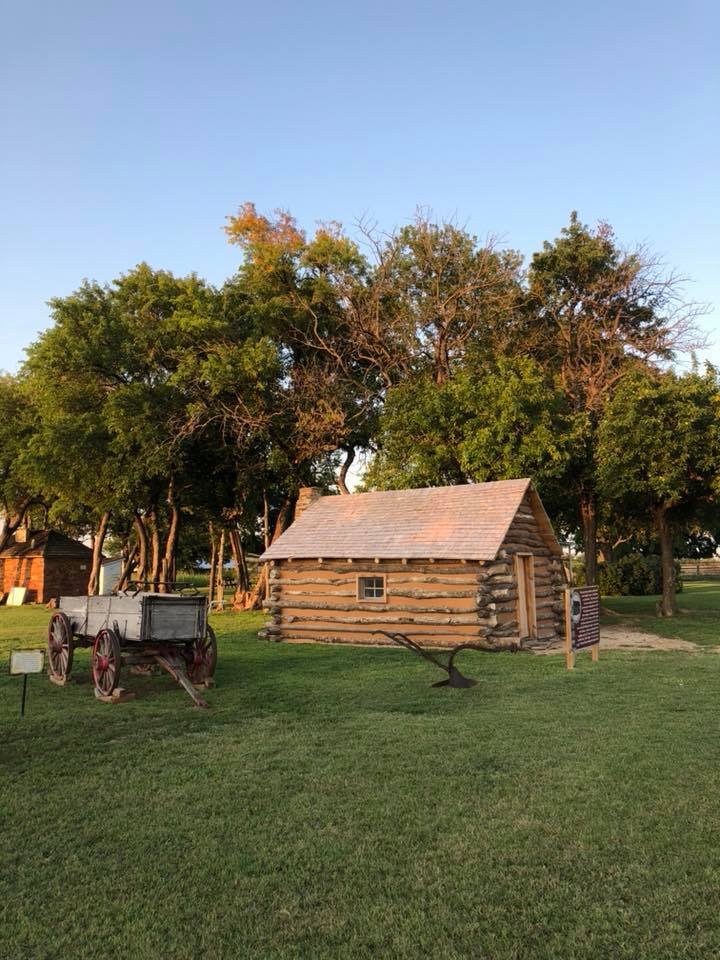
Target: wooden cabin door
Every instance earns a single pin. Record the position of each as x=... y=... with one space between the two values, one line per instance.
x=527 y=612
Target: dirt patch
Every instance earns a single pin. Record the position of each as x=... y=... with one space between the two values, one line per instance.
x=622 y=638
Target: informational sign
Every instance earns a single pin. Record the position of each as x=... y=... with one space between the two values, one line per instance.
x=27 y=661
x=23 y=662
x=16 y=597
x=582 y=622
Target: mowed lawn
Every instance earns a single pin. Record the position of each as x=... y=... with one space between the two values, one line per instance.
x=699 y=620
x=331 y=804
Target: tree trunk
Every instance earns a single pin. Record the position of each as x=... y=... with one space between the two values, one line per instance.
x=266 y=520
x=219 y=584
x=142 y=542
x=127 y=569
x=260 y=591
x=245 y=578
x=94 y=579
x=343 y=472
x=441 y=359
x=235 y=551
x=12 y=525
x=168 y=563
x=667 y=607
x=242 y=579
x=283 y=518
x=588 y=514
x=213 y=557
x=606 y=552
x=155 y=545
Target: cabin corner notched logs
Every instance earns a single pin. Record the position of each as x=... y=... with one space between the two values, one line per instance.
x=440 y=602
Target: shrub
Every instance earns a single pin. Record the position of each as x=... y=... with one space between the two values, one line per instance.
x=632 y=575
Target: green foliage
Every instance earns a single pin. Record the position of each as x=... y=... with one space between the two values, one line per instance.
x=494 y=422
x=597 y=310
x=659 y=454
x=659 y=442
x=447 y=293
x=634 y=574
x=17 y=426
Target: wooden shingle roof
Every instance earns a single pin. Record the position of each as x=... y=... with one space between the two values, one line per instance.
x=467 y=522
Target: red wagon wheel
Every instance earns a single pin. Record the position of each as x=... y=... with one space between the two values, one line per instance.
x=203 y=657
x=106 y=661
x=60 y=646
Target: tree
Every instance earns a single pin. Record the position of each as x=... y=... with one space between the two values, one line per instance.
x=103 y=381
x=358 y=328
x=492 y=422
x=303 y=295
x=658 y=455
x=18 y=491
x=597 y=311
x=444 y=292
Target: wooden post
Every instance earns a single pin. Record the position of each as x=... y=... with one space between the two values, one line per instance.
x=569 y=652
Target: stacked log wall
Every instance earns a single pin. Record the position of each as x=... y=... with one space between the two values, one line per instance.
x=435 y=603
x=501 y=587
x=438 y=604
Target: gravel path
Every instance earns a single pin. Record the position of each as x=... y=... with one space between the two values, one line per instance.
x=621 y=638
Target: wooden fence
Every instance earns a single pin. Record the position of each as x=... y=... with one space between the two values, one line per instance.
x=700 y=568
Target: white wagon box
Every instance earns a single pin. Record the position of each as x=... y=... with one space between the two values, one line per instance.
x=138 y=617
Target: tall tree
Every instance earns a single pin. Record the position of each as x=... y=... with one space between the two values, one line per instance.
x=444 y=291
x=19 y=489
x=597 y=311
x=300 y=294
x=103 y=379
x=659 y=455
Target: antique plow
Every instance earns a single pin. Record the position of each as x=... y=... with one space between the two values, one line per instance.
x=454 y=677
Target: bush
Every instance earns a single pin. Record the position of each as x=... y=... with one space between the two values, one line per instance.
x=632 y=575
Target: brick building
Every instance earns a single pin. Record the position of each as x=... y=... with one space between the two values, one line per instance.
x=46 y=563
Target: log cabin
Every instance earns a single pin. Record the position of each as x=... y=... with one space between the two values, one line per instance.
x=445 y=565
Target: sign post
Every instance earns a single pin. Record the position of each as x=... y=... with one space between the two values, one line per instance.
x=582 y=623
x=23 y=662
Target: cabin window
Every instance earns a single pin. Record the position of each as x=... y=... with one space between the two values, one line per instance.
x=371 y=588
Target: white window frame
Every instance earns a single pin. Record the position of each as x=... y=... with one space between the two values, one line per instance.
x=371 y=576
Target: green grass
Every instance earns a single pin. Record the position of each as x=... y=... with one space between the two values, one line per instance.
x=331 y=804
x=699 y=620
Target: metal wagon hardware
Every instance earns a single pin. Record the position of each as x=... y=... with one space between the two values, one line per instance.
x=137 y=629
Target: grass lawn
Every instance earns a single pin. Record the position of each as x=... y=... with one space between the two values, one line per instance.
x=331 y=804
x=699 y=621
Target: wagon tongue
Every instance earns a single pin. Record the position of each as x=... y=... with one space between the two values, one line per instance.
x=176 y=667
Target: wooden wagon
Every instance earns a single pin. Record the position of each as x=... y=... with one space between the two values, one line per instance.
x=138 y=629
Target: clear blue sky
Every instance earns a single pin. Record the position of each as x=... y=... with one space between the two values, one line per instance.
x=130 y=130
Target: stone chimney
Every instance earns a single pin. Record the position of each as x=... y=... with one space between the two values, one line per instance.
x=306 y=497
x=21 y=535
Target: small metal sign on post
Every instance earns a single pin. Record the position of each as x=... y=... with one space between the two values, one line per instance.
x=23 y=662
x=582 y=623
